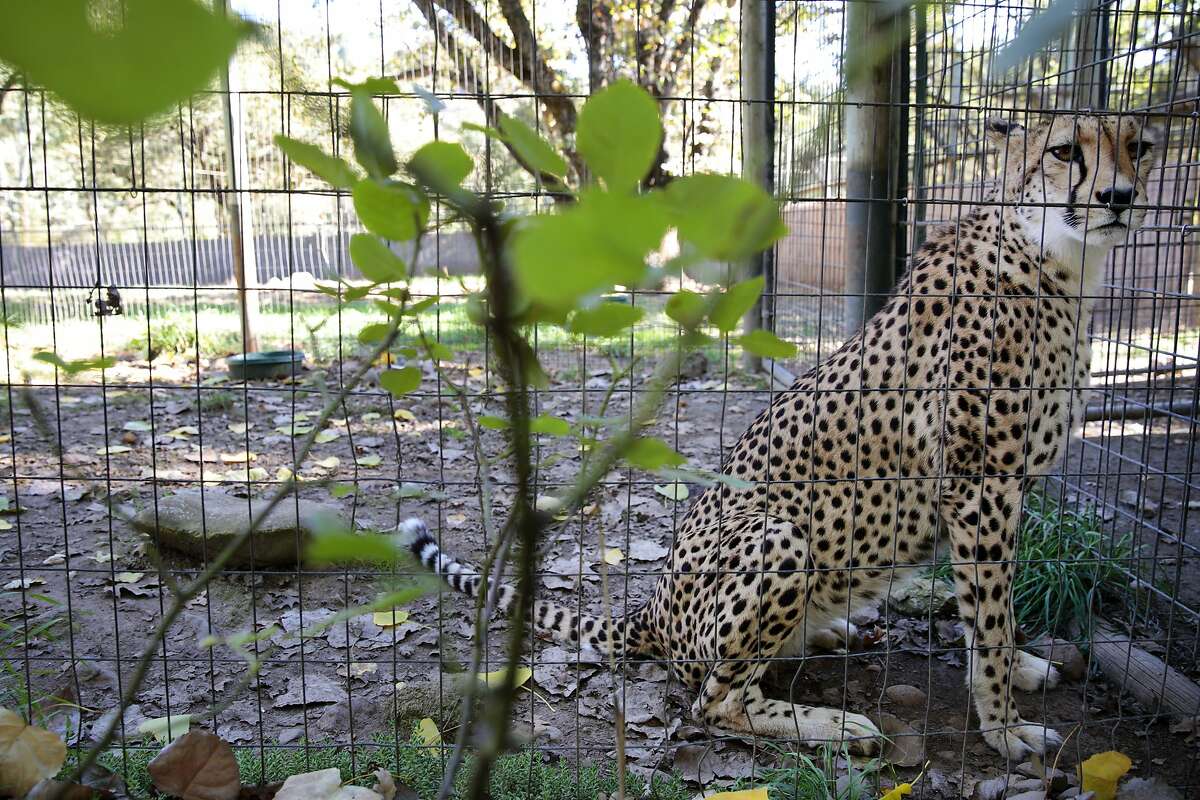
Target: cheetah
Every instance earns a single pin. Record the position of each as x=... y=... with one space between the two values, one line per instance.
x=925 y=428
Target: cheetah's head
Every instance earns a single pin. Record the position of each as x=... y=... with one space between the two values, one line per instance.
x=1077 y=180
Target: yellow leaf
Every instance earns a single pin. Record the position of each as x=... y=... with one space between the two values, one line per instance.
x=183 y=432
x=673 y=491
x=113 y=450
x=166 y=729
x=5 y=438
x=326 y=436
x=370 y=416
x=240 y=427
x=388 y=619
x=404 y=414
x=4 y=526
x=371 y=460
x=27 y=754
x=427 y=732
x=494 y=679
x=744 y=794
x=240 y=457
x=1102 y=772
x=283 y=474
x=613 y=556
x=128 y=577
x=328 y=463
x=897 y=791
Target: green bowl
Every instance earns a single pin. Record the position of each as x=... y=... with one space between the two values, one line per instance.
x=267 y=364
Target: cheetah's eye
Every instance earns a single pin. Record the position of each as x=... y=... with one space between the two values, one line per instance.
x=1139 y=148
x=1067 y=152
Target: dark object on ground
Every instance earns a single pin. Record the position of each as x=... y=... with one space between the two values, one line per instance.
x=267 y=364
x=201 y=524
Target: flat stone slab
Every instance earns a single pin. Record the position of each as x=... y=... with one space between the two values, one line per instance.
x=196 y=523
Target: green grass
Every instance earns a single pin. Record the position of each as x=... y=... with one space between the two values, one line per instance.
x=516 y=776
x=182 y=326
x=1067 y=568
x=802 y=777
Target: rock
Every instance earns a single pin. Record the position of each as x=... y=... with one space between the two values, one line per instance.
x=127 y=729
x=1036 y=794
x=993 y=788
x=1064 y=654
x=416 y=700
x=180 y=522
x=904 y=695
x=311 y=690
x=905 y=746
x=1147 y=789
x=1137 y=499
x=921 y=595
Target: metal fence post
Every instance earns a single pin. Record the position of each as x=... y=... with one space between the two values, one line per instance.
x=758 y=134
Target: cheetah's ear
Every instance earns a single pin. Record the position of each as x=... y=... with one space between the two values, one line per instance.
x=1000 y=130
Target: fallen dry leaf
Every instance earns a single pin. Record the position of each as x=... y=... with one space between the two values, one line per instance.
x=27 y=754
x=388 y=619
x=1102 y=772
x=496 y=678
x=164 y=729
x=197 y=766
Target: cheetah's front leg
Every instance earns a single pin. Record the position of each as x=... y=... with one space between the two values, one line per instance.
x=982 y=516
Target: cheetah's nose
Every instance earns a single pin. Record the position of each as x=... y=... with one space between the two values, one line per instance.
x=1117 y=200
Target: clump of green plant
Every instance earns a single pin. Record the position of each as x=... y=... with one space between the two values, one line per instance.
x=1066 y=567
x=177 y=336
x=803 y=777
x=219 y=400
x=523 y=775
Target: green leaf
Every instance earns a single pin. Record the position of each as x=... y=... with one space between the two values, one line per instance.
x=619 y=135
x=166 y=729
x=387 y=211
x=650 y=453
x=343 y=546
x=605 y=319
x=686 y=307
x=439 y=352
x=531 y=147
x=723 y=217
x=375 y=332
x=369 y=130
x=331 y=169
x=118 y=63
x=77 y=366
x=551 y=426
x=493 y=422
x=673 y=491
x=604 y=239
x=400 y=381
x=370 y=85
x=733 y=303
x=375 y=259
x=442 y=166
x=763 y=343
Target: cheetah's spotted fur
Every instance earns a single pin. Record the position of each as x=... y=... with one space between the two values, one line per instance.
x=928 y=424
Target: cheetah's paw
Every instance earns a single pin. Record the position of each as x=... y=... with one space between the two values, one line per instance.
x=824 y=725
x=1032 y=673
x=1017 y=741
x=840 y=637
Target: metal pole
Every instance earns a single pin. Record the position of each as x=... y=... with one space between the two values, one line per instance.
x=870 y=211
x=235 y=157
x=758 y=131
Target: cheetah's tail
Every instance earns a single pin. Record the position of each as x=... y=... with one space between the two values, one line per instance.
x=550 y=619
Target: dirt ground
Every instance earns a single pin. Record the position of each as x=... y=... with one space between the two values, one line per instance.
x=78 y=562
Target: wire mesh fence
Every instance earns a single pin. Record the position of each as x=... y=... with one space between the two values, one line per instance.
x=180 y=444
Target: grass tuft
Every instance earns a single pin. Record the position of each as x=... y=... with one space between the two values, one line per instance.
x=525 y=775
